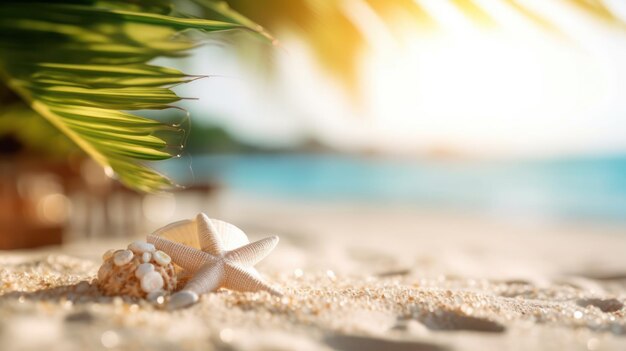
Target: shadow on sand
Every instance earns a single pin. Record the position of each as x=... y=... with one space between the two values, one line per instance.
x=365 y=343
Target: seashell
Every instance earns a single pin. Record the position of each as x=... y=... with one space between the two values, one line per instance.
x=182 y=299
x=141 y=247
x=126 y=280
x=143 y=269
x=212 y=263
x=108 y=254
x=152 y=281
x=185 y=232
x=122 y=257
x=146 y=257
x=162 y=258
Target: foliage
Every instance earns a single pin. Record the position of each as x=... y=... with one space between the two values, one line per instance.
x=84 y=66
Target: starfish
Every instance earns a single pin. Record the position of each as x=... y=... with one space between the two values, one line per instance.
x=220 y=261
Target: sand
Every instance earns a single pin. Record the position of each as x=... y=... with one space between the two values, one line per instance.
x=355 y=277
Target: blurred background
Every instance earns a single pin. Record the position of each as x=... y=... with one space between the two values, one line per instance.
x=513 y=110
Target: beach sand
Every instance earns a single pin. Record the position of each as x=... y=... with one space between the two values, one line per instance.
x=355 y=277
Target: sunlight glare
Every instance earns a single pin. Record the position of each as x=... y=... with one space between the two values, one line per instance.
x=480 y=91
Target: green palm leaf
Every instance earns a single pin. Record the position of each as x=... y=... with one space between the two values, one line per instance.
x=83 y=66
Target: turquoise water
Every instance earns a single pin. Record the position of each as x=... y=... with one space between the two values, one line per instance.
x=593 y=188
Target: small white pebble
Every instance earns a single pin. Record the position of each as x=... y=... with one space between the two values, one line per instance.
x=122 y=257
x=182 y=299
x=143 y=269
x=108 y=254
x=141 y=247
x=146 y=257
x=162 y=258
x=152 y=281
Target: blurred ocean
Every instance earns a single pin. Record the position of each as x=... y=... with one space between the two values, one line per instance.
x=584 y=188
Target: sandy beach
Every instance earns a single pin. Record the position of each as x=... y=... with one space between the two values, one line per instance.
x=407 y=175
x=355 y=277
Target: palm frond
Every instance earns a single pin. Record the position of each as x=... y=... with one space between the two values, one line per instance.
x=327 y=26
x=84 y=67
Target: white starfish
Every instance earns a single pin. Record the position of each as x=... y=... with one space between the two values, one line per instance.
x=221 y=261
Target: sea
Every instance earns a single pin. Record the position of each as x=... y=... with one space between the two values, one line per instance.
x=586 y=188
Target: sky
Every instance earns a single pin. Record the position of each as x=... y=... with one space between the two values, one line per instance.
x=515 y=91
